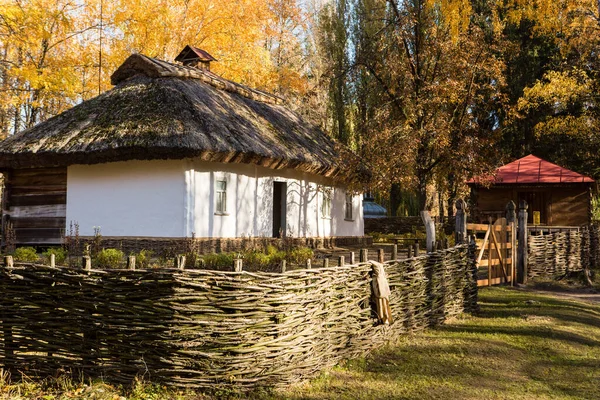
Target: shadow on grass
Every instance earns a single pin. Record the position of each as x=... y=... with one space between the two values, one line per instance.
x=512 y=303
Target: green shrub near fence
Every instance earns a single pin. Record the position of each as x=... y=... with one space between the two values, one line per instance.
x=60 y=255
x=26 y=254
x=256 y=260
x=109 y=258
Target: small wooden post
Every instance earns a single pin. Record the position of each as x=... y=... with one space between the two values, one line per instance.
x=52 y=260
x=283 y=265
x=352 y=258
x=417 y=249
x=326 y=263
x=522 y=238
x=237 y=265
x=131 y=262
x=490 y=227
x=409 y=252
x=380 y=255
x=308 y=264
x=503 y=249
x=511 y=219
x=395 y=252
x=341 y=261
x=86 y=263
x=461 y=222
x=8 y=261
x=364 y=255
x=429 y=229
x=435 y=246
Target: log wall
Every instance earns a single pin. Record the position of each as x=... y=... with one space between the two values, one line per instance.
x=35 y=205
x=559 y=205
x=205 y=329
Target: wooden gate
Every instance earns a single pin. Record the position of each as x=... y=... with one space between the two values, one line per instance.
x=496 y=257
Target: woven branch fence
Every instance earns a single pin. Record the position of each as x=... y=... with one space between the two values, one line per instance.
x=559 y=253
x=202 y=328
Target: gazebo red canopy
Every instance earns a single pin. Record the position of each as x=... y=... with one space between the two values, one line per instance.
x=561 y=196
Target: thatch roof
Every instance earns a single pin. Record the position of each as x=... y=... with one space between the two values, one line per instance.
x=159 y=110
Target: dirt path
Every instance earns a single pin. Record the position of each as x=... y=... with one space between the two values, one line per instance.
x=589 y=295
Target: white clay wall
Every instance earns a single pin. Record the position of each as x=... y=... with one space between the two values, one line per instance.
x=177 y=198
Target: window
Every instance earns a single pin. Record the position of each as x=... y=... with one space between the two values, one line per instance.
x=326 y=205
x=221 y=197
x=349 y=216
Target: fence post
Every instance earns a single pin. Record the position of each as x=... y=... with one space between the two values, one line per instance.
x=283 y=265
x=522 y=250
x=429 y=229
x=237 y=265
x=416 y=249
x=52 y=260
x=380 y=255
x=326 y=263
x=409 y=251
x=511 y=220
x=352 y=258
x=461 y=222
x=309 y=263
x=180 y=262
x=86 y=263
x=364 y=255
x=131 y=262
x=341 y=261
x=8 y=261
x=395 y=252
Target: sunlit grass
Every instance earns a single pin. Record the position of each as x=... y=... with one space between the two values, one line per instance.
x=519 y=346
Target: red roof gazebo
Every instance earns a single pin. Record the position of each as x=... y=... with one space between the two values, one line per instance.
x=559 y=195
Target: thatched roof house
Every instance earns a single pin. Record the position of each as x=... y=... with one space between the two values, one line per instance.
x=558 y=196
x=186 y=128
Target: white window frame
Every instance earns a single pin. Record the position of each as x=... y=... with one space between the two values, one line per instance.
x=221 y=196
x=349 y=207
x=327 y=201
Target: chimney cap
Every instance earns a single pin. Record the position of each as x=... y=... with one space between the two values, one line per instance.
x=190 y=53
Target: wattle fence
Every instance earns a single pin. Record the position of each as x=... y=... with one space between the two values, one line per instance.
x=202 y=328
x=558 y=253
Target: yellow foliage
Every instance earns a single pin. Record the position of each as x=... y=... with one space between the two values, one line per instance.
x=557 y=89
x=50 y=49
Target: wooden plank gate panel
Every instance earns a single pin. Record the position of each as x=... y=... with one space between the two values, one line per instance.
x=497 y=251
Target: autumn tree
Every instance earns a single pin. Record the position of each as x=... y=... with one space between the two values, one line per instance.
x=56 y=53
x=44 y=66
x=554 y=107
x=436 y=84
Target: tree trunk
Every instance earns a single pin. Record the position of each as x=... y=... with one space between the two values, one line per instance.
x=424 y=203
x=395 y=199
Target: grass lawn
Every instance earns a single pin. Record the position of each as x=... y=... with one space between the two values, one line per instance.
x=521 y=345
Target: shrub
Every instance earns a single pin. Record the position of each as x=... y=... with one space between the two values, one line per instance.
x=275 y=255
x=257 y=259
x=60 y=255
x=26 y=254
x=142 y=259
x=299 y=255
x=219 y=260
x=109 y=258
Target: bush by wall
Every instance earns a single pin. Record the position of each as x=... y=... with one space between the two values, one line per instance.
x=26 y=254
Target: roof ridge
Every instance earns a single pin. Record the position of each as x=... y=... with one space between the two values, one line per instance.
x=137 y=64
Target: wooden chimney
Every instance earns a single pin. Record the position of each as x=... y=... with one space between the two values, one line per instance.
x=194 y=57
